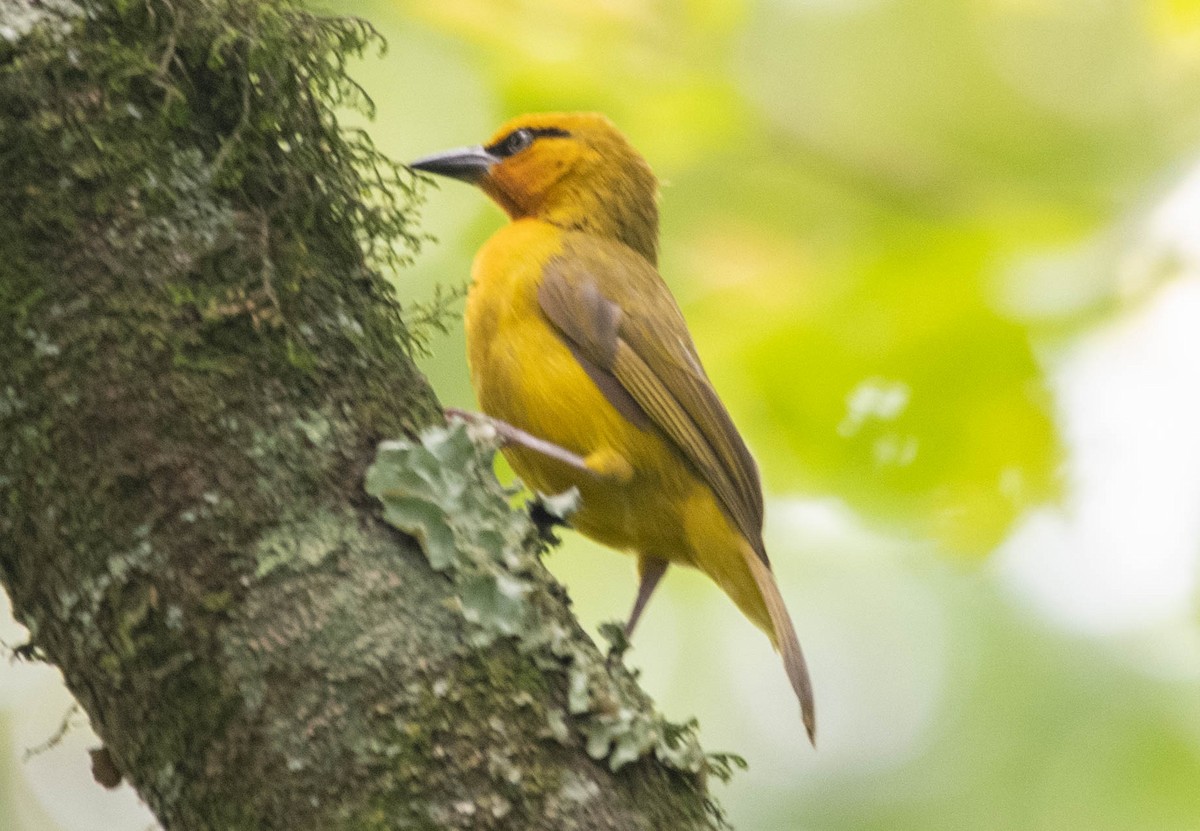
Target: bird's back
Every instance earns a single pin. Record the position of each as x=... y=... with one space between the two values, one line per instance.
x=524 y=373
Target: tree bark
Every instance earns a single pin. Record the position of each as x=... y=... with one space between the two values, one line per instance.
x=198 y=359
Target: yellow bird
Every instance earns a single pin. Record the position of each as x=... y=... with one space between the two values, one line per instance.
x=580 y=354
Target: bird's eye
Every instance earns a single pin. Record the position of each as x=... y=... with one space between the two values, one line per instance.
x=521 y=138
x=515 y=142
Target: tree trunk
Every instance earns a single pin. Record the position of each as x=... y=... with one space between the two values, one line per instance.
x=198 y=358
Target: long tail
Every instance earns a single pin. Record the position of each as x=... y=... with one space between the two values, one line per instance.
x=785 y=640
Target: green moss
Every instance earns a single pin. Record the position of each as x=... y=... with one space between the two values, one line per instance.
x=197 y=346
x=200 y=357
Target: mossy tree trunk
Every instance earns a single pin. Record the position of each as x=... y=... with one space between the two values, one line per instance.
x=198 y=359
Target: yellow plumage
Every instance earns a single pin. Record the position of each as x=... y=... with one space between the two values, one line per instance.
x=525 y=375
x=573 y=337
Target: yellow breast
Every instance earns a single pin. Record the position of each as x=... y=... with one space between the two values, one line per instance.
x=524 y=374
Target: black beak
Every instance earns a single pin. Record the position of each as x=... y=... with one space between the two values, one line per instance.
x=467 y=164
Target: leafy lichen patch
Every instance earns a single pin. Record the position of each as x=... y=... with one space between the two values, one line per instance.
x=442 y=491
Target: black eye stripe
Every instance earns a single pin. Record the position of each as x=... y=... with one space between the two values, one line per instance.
x=521 y=138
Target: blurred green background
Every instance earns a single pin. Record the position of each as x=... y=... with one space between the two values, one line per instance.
x=942 y=260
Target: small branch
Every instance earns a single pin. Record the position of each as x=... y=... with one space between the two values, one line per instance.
x=515 y=435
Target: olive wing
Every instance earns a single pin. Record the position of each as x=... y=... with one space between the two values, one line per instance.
x=620 y=321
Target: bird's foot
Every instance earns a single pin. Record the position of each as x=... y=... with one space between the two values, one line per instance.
x=551 y=512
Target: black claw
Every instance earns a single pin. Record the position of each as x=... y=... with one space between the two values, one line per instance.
x=545 y=520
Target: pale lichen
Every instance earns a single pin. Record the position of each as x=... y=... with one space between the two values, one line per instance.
x=305 y=543
x=19 y=17
x=442 y=491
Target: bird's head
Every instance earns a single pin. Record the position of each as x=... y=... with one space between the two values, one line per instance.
x=574 y=170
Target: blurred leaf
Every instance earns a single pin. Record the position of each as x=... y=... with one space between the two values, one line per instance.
x=854 y=194
x=1035 y=730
